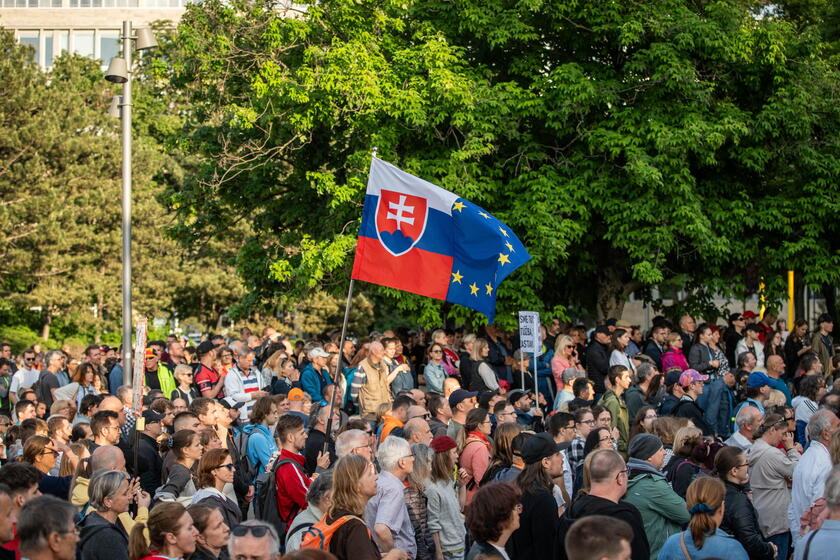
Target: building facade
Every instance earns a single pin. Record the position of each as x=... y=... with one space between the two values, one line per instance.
x=87 y=27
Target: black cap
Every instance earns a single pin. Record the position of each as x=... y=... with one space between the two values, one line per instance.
x=753 y=327
x=484 y=399
x=538 y=447
x=459 y=395
x=611 y=322
x=603 y=329
x=672 y=377
x=150 y=416
x=205 y=347
x=515 y=395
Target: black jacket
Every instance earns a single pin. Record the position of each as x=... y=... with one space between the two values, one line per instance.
x=538 y=524
x=741 y=521
x=314 y=445
x=149 y=463
x=229 y=510
x=691 y=410
x=100 y=539
x=585 y=505
x=654 y=352
x=597 y=365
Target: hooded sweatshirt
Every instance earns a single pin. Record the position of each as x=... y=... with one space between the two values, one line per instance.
x=261 y=446
x=229 y=509
x=586 y=504
x=100 y=539
x=663 y=511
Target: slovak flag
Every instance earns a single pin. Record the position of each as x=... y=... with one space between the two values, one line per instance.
x=419 y=238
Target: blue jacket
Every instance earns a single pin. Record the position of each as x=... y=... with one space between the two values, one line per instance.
x=719 y=412
x=313 y=382
x=261 y=446
x=719 y=545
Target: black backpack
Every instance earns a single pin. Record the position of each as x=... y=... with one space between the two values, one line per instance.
x=265 y=499
x=245 y=468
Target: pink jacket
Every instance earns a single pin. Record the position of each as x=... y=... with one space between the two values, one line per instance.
x=674 y=357
x=475 y=458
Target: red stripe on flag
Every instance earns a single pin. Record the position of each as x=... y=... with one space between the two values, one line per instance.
x=418 y=272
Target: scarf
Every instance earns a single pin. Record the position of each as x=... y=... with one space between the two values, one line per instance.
x=480 y=437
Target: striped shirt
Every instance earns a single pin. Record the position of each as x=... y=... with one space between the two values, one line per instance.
x=239 y=387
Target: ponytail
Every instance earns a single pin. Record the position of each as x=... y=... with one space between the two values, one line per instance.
x=703 y=498
x=137 y=546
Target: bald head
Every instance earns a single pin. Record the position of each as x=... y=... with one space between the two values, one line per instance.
x=748 y=419
x=604 y=465
x=113 y=404
x=417 y=430
x=107 y=457
x=775 y=366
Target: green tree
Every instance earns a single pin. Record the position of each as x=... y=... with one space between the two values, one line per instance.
x=628 y=144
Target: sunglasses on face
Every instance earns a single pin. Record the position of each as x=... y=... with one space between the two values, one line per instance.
x=258 y=531
x=229 y=466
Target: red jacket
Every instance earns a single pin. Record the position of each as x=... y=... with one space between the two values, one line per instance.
x=292 y=485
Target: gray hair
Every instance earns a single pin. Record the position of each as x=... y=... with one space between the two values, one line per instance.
x=123 y=392
x=40 y=518
x=645 y=371
x=412 y=426
x=391 y=451
x=422 y=471
x=104 y=484
x=832 y=488
x=747 y=415
x=243 y=351
x=319 y=488
x=273 y=539
x=468 y=338
x=51 y=355
x=347 y=441
x=820 y=421
x=742 y=358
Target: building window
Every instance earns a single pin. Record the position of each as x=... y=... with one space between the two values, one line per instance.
x=33 y=39
x=83 y=43
x=48 y=49
x=109 y=46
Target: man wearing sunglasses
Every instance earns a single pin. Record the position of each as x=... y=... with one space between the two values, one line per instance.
x=253 y=540
x=25 y=377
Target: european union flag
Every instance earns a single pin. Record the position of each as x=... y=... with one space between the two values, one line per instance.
x=420 y=238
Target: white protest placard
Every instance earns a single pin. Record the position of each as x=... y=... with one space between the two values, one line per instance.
x=529 y=332
x=138 y=380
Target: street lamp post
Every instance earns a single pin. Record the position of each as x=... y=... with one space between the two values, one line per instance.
x=119 y=72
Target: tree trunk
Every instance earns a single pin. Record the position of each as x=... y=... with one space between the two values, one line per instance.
x=829 y=292
x=614 y=286
x=45 y=328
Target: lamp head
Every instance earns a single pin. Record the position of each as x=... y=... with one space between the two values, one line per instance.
x=145 y=39
x=117 y=71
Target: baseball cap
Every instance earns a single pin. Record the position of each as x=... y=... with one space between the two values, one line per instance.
x=519 y=355
x=204 y=348
x=622 y=324
x=689 y=376
x=538 y=447
x=150 y=416
x=672 y=377
x=570 y=374
x=459 y=395
x=150 y=353
x=318 y=353
x=295 y=395
x=749 y=315
x=603 y=329
x=758 y=379
x=515 y=395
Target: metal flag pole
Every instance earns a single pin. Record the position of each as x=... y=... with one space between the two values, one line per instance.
x=340 y=366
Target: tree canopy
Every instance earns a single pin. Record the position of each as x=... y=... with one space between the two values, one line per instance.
x=629 y=145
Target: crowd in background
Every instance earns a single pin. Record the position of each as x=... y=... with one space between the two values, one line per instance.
x=685 y=441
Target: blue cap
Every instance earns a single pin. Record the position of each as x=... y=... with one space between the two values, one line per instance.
x=758 y=379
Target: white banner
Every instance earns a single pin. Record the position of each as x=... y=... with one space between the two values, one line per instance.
x=529 y=332
x=138 y=380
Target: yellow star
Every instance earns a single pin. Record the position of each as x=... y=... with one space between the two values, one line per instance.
x=503 y=258
x=456 y=277
x=483 y=214
x=489 y=289
x=459 y=206
x=503 y=231
x=509 y=246
x=473 y=289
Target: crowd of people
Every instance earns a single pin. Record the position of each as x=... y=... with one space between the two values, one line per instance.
x=680 y=443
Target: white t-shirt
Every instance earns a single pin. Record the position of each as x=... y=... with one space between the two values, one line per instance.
x=23 y=379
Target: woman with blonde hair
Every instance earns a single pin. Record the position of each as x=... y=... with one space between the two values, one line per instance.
x=481 y=375
x=450 y=356
x=70 y=462
x=565 y=357
x=186 y=389
x=703 y=538
x=172 y=534
x=503 y=457
x=674 y=357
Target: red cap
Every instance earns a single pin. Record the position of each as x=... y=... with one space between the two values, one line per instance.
x=748 y=315
x=442 y=443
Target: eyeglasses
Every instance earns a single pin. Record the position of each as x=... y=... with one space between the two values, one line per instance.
x=258 y=531
x=571 y=427
x=608 y=438
x=436 y=352
x=590 y=422
x=74 y=531
x=32 y=359
x=408 y=456
x=651 y=416
x=426 y=416
x=49 y=452
x=625 y=472
x=741 y=466
x=228 y=466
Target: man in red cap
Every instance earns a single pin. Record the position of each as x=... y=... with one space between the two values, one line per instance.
x=158 y=376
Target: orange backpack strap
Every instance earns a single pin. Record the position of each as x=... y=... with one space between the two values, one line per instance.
x=320 y=534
